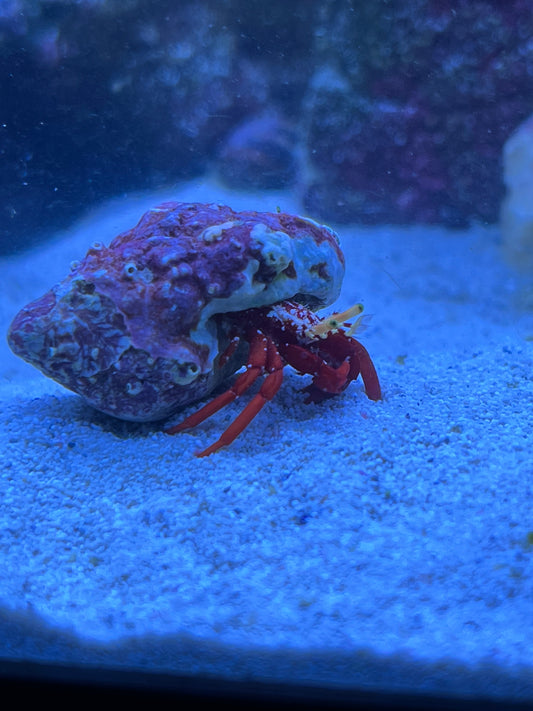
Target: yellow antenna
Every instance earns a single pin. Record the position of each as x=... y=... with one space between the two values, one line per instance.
x=331 y=324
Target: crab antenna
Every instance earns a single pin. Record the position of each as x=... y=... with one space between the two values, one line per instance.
x=348 y=314
x=335 y=321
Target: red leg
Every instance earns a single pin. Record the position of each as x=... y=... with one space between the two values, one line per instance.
x=332 y=380
x=230 y=350
x=327 y=380
x=270 y=387
x=263 y=357
x=368 y=372
x=256 y=364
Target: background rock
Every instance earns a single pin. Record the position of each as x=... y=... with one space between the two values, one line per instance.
x=399 y=110
x=259 y=153
x=517 y=209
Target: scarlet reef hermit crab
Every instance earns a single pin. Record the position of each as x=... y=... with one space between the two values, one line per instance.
x=185 y=299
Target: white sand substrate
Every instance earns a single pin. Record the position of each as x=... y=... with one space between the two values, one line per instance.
x=371 y=545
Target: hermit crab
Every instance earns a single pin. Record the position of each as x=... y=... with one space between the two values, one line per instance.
x=192 y=294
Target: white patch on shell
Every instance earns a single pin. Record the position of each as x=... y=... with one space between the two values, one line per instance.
x=277 y=246
x=184 y=373
x=279 y=250
x=214 y=232
x=246 y=297
x=170 y=256
x=325 y=228
x=134 y=388
x=131 y=271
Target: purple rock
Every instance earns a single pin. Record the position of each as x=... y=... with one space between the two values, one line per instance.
x=259 y=153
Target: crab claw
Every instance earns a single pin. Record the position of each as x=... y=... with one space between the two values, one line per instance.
x=329 y=380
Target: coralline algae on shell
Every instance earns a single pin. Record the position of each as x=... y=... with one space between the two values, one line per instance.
x=137 y=328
